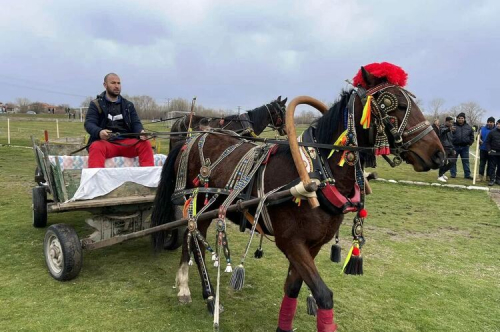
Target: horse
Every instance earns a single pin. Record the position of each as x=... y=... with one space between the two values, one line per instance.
x=249 y=123
x=301 y=230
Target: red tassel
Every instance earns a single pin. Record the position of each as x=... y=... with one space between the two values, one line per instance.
x=196 y=181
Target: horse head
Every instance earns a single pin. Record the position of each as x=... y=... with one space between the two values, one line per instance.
x=395 y=116
x=277 y=113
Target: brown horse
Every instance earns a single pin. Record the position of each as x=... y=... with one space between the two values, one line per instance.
x=249 y=123
x=300 y=230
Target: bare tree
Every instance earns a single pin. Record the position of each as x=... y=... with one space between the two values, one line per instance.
x=37 y=107
x=23 y=104
x=473 y=112
x=86 y=102
x=436 y=107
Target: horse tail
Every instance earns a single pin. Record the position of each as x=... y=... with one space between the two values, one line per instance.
x=163 y=209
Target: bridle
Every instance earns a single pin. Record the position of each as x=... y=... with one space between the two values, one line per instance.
x=279 y=112
x=382 y=104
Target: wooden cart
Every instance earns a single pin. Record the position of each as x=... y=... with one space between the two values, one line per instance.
x=125 y=210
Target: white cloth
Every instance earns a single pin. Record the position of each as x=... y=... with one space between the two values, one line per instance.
x=97 y=182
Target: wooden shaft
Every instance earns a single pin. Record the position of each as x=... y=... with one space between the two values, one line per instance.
x=240 y=206
x=475 y=159
x=292 y=138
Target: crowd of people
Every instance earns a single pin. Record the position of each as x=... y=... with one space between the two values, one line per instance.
x=457 y=137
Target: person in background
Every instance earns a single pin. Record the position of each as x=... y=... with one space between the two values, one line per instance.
x=446 y=136
x=483 y=151
x=435 y=126
x=493 y=147
x=111 y=113
x=463 y=138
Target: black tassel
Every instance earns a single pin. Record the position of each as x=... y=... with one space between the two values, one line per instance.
x=354 y=266
x=238 y=278
x=312 y=307
x=211 y=305
x=258 y=253
x=335 y=253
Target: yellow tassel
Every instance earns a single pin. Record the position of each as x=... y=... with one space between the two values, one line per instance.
x=342 y=159
x=367 y=111
x=340 y=141
x=347 y=259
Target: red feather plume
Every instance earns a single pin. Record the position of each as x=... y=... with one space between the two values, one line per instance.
x=392 y=73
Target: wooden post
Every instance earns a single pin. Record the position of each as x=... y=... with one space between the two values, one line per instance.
x=8 y=131
x=57 y=127
x=475 y=159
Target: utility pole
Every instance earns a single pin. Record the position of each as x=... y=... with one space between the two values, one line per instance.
x=239 y=108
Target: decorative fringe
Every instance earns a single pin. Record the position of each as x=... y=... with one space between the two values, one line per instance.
x=258 y=253
x=335 y=253
x=312 y=307
x=340 y=141
x=228 y=269
x=342 y=159
x=367 y=111
x=238 y=278
x=211 y=305
x=354 y=262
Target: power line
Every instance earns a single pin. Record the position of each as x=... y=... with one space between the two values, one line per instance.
x=41 y=89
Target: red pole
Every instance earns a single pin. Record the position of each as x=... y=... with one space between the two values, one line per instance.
x=46 y=135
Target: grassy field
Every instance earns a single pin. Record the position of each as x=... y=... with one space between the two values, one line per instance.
x=431 y=264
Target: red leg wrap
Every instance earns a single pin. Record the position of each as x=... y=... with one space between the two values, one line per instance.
x=287 y=312
x=325 y=322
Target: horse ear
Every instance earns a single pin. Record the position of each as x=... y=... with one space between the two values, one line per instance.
x=367 y=77
x=278 y=99
x=284 y=101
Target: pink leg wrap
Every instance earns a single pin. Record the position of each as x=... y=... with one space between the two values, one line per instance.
x=325 y=322
x=287 y=312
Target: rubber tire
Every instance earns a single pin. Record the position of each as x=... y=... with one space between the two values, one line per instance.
x=71 y=249
x=173 y=238
x=39 y=217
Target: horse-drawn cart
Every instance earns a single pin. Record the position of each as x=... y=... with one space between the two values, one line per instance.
x=118 y=206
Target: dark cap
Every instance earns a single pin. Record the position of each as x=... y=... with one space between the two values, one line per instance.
x=461 y=115
x=449 y=118
x=491 y=119
x=498 y=121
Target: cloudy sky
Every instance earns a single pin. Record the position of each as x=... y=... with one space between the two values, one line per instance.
x=233 y=53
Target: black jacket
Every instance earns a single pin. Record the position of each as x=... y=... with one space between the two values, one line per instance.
x=446 y=137
x=493 y=140
x=95 y=121
x=463 y=135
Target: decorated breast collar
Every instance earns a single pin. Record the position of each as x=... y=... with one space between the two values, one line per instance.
x=317 y=167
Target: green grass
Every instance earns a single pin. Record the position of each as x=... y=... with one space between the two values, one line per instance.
x=431 y=264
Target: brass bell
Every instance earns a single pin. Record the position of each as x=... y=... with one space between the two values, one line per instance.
x=387 y=102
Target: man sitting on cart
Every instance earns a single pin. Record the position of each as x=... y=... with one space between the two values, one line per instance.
x=108 y=115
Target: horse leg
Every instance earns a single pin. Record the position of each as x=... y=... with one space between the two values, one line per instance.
x=302 y=259
x=293 y=284
x=182 y=277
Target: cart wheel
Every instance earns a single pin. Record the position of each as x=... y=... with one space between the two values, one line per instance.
x=39 y=207
x=173 y=238
x=63 y=252
x=39 y=178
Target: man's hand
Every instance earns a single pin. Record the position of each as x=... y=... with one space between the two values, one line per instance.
x=143 y=137
x=105 y=134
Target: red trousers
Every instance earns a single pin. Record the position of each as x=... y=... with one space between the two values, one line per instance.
x=101 y=150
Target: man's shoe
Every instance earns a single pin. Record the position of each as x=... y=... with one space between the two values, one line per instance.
x=480 y=178
x=445 y=177
x=497 y=181
x=453 y=176
x=491 y=183
x=442 y=179
x=468 y=177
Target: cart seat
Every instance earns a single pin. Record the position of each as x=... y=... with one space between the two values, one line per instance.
x=80 y=162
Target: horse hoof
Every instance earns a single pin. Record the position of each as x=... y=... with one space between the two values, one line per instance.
x=184 y=299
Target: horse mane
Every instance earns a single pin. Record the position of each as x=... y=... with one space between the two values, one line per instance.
x=328 y=124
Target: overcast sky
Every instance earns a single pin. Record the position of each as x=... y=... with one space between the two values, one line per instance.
x=232 y=53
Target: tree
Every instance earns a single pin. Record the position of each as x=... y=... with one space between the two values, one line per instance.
x=473 y=112
x=23 y=104
x=37 y=107
x=86 y=102
x=436 y=105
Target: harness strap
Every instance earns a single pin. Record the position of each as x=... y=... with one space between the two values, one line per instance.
x=96 y=103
